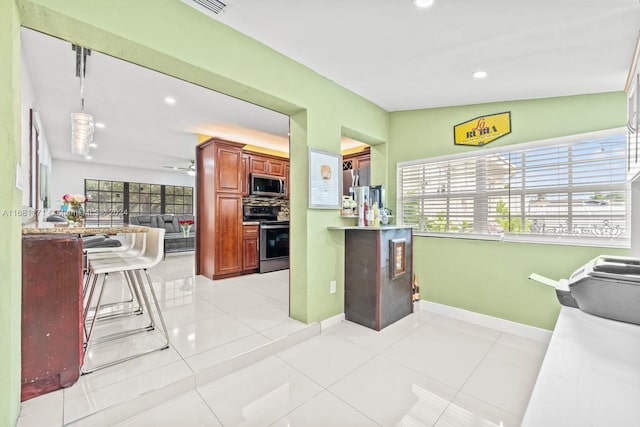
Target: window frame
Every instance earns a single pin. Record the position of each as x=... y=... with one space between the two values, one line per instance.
x=484 y=153
x=123 y=218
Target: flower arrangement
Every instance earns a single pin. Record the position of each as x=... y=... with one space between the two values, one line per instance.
x=186 y=226
x=73 y=205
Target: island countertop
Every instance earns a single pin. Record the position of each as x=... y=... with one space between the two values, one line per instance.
x=51 y=228
x=590 y=375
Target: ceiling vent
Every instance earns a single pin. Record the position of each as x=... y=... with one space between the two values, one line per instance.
x=212 y=8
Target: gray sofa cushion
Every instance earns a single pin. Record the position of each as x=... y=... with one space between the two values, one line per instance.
x=169 y=223
x=144 y=220
x=172 y=227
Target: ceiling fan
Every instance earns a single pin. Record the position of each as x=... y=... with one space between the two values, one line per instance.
x=191 y=169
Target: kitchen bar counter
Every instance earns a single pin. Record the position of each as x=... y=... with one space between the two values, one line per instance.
x=52 y=332
x=590 y=375
x=378 y=269
x=382 y=227
x=51 y=228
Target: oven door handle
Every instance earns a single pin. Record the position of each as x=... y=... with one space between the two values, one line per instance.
x=273 y=226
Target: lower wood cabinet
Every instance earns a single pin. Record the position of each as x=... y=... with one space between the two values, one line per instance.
x=250 y=249
x=52 y=338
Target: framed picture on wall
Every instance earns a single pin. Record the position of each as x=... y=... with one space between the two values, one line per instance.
x=325 y=180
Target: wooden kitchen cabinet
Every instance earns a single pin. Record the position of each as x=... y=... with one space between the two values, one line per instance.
x=52 y=341
x=228 y=164
x=250 y=248
x=228 y=235
x=220 y=186
x=266 y=165
x=357 y=160
x=245 y=174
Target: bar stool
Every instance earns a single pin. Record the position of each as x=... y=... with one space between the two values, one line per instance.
x=135 y=245
x=133 y=267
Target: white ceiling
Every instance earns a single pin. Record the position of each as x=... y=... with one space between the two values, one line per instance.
x=388 y=51
x=402 y=58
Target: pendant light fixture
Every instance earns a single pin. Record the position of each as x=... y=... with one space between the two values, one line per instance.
x=81 y=123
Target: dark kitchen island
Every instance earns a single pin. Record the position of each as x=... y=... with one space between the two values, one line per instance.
x=378 y=272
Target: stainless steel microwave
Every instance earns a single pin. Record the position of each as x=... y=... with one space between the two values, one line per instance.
x=267 y=185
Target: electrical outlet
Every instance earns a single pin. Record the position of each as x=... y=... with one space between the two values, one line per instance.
x=332 y=287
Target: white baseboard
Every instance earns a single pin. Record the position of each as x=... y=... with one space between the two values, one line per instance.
x=331 y=321
x=525 y=331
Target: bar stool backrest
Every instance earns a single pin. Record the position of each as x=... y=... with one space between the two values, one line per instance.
x=155 y=246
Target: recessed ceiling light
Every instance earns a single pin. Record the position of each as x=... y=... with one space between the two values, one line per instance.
x=423 y=3
x=479 y=74
x=88 y=157
x=93 y=145
x=100 y=125
x=170 y=100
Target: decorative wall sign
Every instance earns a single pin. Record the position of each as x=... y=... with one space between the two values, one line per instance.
x=482 y=130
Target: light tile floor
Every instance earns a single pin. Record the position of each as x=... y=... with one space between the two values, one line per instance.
x=424 y=370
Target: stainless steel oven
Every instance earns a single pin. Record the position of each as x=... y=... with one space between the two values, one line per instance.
x=274 y=237
x=274 y=246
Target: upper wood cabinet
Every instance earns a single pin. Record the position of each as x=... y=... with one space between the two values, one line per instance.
x=266 y=165
x=228 y=164
x=357 y=160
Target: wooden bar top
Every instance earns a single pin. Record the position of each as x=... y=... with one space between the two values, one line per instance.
x=52 y=228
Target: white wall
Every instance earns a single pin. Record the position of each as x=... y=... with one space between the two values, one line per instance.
x=29 y=101
x=68 y=177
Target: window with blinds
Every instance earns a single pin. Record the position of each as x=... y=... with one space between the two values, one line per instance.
x=568 y=190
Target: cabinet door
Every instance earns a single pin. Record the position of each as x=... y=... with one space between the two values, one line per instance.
x=275 y=167
x=258 y=165
x=362 y=161
x=250 y=248
x=52 y=344
x=228 y=169
x=245 y=174
x=228 y=234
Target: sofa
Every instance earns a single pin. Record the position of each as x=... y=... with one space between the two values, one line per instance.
x=173 y=238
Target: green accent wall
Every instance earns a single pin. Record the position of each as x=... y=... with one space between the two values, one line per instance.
x=490 y=277
x=10 y=200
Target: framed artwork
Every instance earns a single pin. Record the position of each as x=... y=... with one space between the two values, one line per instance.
x=325 y=180
x=397 y=251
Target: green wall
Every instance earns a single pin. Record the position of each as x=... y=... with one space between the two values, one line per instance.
x=490 y=277
x=179 y=41
x=10 y=199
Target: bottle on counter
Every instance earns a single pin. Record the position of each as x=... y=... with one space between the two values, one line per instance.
x=366 y=214
x=376 y=215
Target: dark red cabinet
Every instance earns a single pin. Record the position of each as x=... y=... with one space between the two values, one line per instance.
x=51 y=312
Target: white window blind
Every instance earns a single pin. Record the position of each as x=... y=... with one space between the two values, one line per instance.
x=570 y=190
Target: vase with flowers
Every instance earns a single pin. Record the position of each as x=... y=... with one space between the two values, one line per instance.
x=73 y=205
x=186 y=226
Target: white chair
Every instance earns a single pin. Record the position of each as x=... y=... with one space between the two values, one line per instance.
x=135 y=245
x=133 y=267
